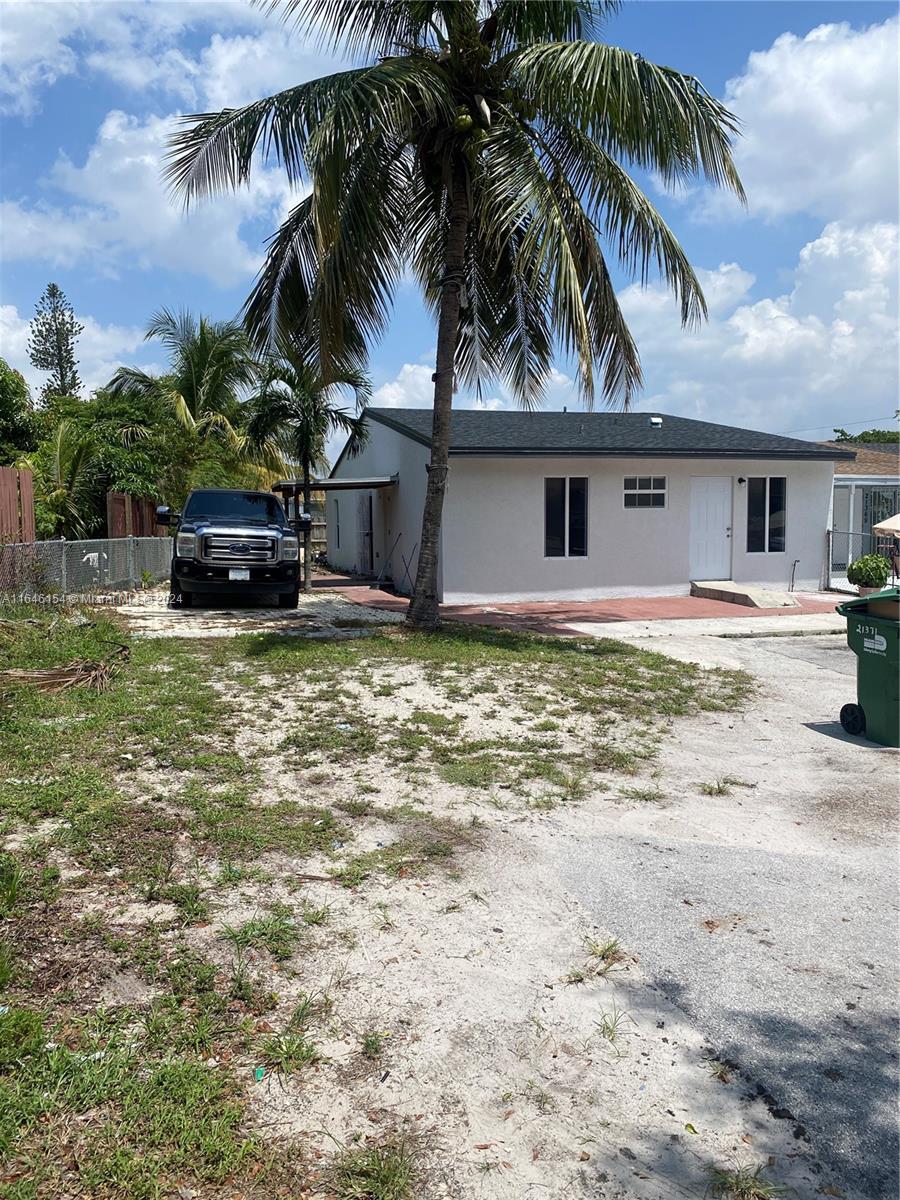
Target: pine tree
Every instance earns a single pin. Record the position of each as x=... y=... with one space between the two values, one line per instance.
x=51 y=343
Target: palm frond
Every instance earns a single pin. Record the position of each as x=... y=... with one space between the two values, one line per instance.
x=638 y=232
x=131 y=381
x=558 y=251
x=362 y=27
x=653 y=116
x=517 y=23
x=214 y=152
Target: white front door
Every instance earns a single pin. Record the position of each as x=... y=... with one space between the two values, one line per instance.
x=710 y=554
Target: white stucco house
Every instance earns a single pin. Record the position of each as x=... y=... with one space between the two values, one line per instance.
x=574 y=505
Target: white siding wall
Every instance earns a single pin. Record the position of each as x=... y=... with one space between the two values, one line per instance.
x=397 y=511
x=493 y=543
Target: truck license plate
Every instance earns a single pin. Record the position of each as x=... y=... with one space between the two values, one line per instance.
x=238 y=573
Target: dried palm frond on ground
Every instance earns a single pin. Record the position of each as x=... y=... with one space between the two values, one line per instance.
x=81 y=672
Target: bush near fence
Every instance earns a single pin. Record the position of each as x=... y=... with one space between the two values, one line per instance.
x=81 y=568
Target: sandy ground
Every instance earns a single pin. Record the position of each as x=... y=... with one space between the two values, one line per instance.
x=756 y=928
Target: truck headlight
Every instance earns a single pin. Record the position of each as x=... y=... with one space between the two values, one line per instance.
x=185 y=545
x=290 y=549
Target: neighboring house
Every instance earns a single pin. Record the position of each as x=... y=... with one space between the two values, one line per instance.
x=574 y=505
x=866 y=491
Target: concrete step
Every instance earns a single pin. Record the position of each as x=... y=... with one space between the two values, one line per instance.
x=740 y=593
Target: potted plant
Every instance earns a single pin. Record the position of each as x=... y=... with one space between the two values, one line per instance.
x=869 y=573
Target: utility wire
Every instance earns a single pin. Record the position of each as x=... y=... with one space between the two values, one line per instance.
x=813 y=428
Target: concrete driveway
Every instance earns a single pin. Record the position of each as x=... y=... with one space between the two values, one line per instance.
x=768 y=913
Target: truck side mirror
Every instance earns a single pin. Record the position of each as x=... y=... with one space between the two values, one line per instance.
x=165 y=516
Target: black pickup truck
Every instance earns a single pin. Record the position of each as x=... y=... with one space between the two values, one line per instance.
x=235 y=542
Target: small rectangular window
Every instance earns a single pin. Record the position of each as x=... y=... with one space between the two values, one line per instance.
x=565 y=517
x=766 y=514
x=555 y=518
x=645 y=491
x=777 y=514
x=577 y=517
x=337 y=524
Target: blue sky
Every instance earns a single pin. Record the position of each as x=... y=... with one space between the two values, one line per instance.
x=802 y=286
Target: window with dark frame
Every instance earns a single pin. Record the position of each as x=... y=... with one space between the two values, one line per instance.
x=337 y=524
x=565 y=516
x=645 y=491
x=766 y=514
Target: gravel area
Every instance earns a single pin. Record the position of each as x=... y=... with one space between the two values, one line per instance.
x=768 y=913
x=319 y=613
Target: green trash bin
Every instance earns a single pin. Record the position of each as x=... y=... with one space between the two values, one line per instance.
x=873 y=634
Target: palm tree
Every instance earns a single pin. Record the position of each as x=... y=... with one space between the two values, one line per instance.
x=485 y=148
x=212 y=366
x=292 y=416
x=64 y=470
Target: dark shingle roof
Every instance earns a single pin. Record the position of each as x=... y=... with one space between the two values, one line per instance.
x=477 y=431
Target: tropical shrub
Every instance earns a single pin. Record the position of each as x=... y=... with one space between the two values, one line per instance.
x=872 y=570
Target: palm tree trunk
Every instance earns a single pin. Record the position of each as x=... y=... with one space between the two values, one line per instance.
x=307 y=535
x=423 y=608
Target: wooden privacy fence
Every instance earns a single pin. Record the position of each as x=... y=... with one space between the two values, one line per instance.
x=128 y=516
x=16 y=505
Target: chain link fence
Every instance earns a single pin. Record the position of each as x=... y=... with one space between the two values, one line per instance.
x=32 y=570
x=845 y=547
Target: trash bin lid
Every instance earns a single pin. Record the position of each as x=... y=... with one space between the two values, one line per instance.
x=860 y=603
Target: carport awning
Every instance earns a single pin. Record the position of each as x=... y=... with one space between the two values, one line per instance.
x=338 y=485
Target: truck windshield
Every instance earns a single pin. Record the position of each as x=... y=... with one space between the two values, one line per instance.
x=255 y=507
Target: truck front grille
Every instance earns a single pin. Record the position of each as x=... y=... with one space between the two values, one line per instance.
x=254 y=548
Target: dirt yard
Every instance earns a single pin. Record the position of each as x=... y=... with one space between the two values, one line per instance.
x=313 y=916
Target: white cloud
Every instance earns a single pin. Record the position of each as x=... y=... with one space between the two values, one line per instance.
x=138 y=44
x=412 y=388
x=819 y=120
x=117 y=213
x=823 y=350
x=235 y=70
x=100 y=349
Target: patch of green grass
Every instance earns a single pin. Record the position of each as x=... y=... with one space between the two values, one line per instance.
x=21 y=1035
x=11 y=878
x=276 y=932
x=372 y=1044
x=413 y=853
x=289 y=1052
x=612 y=1025
x=539 y=1097
x=723 y=786
x=605 y=954
x=310 y=1008
x=160 y=1121
x=231 y=823
x=377 y=1172
x=743 y=1183
x=480 y=771
x=313 y=914
x=651 y=794
x=7 y=964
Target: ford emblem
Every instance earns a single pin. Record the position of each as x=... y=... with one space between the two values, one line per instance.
x=239 y=548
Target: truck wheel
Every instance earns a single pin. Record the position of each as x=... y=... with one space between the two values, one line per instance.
x=853 y=719
x=289 y=599
x=174 y=592
x=187 y=599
